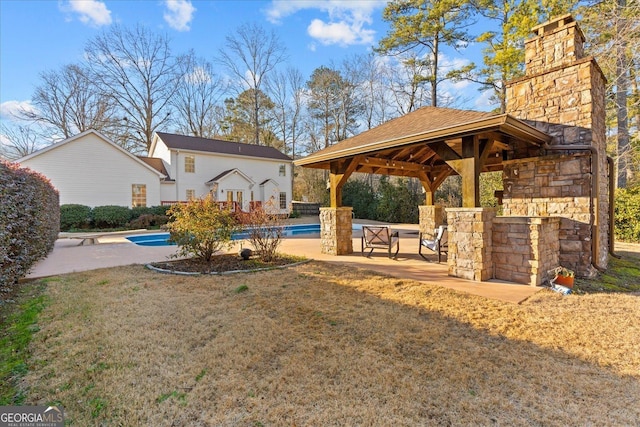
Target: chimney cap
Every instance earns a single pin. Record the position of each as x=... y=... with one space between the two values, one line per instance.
x=552 y=24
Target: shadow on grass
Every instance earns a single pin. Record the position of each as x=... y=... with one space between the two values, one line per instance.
x=321 y=344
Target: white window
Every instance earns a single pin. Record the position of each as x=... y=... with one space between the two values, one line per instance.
x=191 y=194
x=283 y=170
x=138 y=195
x=190 y=164
x=283 y=200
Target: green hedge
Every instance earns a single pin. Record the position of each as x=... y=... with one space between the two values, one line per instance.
x=73 y=217
x=80 y=217
x=627 y=214
x=111 y=216
x=29 y=221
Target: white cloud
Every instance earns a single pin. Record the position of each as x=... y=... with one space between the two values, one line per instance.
x=346 y=22
x=179 y=14
x=485 y=101
x=198 y=76
x=9 y=109
x=92 y=12
x=341 y=33
x=280 y=9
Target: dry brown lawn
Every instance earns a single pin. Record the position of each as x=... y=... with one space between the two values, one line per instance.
x=321 y=345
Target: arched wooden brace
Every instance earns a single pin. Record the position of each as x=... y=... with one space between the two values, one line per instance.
x=339 y=172
x=431 y=183
x=467 y=164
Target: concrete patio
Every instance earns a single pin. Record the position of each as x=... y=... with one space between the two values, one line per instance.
x=112 y=250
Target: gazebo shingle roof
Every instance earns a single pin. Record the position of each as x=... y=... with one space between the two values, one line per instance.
x=426 y=124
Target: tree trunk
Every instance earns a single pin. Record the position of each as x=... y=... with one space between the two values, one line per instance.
x=434 y=76
x=622 y=86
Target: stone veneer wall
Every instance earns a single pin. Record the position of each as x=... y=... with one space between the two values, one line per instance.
x=562 y=94
x=525 y=249
x=430 y=219
x=556 y=186
x=336 y=230
x=470 y=242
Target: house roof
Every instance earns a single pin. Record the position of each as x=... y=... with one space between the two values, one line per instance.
x=228 y=173
x=157 y=164
x=102 y=137
x=193 y=143
x=424 y=126
x=268 y=180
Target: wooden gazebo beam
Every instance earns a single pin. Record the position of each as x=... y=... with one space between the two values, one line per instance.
x=339 y=172
x=431 y=181
x=468 y=164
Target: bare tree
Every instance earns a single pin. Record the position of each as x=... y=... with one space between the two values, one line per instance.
x=199 y=93
x=136 y=69
x=613 y=29
x=67 y=103
x=250 y=54
x=287 y=90
x=18 y=141
x=373 y=87
x=406 y=80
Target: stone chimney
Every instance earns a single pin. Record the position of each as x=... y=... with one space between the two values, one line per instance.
x=561 y=86
x=563 y=94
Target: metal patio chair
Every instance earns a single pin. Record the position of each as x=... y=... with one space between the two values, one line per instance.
x=380 y=237
x=438 y=245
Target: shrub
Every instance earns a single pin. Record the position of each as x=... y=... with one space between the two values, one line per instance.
x=294 y=213
x=627 y=212
x=149 y=220
x=200 y=228
x=110 y=216
x=160 y=210
x=138 y=211
x=398 y=202
x=265 y=231
x=361 y=196
x=145 y=217
x=73 y=216
x=29 y=221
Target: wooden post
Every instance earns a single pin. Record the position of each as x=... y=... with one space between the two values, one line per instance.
x=467 y=164
x=339 y=172
x=470 y=172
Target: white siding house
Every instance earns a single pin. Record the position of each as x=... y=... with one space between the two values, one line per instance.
x=243 y=173
x=91 y=170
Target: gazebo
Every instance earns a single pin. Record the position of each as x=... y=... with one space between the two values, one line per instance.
x=551 y=150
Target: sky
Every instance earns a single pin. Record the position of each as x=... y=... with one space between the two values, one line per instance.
x=43 y=35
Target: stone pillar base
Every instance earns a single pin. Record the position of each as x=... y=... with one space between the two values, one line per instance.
x=470 y=242
x=336 y=230
x=525 y=249
x=430 y=219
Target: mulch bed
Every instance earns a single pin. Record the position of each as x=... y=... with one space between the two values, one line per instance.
x=224 y=263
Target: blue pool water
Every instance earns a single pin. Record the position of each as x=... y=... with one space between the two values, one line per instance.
x=162 y=239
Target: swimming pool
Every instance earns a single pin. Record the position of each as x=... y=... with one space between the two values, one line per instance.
x=162 y=239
